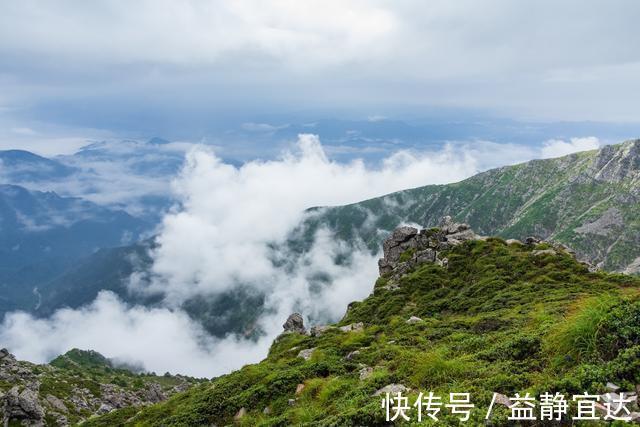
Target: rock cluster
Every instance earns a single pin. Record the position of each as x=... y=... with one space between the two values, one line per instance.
x=407 y=247
x=26 y=404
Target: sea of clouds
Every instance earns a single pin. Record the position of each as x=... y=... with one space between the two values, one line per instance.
x=221 y=233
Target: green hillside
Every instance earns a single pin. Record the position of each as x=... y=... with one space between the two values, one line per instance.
x=589 y=201
x=483 y=316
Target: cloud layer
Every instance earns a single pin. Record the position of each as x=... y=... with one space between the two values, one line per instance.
x=182 y=64
x=220 y=236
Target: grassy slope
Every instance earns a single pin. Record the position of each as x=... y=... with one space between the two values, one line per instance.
x=547 y=198
x=498 y=319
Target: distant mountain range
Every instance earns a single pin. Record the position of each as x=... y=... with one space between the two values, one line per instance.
x=42 y=235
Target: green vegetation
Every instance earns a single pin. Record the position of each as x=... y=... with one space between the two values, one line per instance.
x=497 y=319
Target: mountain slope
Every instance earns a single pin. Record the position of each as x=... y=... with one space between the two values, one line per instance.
x=589 y=201
x=478 y=316
x=74 y=387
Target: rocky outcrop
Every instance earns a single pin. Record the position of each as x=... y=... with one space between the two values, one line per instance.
x=24 y=406
x=294 y=324
x=66 y=399
x=407 y=246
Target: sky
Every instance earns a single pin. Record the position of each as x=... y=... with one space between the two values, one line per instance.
x=194 y=69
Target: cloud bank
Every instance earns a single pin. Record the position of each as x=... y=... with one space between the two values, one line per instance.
x=222 y=234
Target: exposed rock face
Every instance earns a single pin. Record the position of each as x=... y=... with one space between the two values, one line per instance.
x=294 y=323
x=407 y=247
x=23 y=405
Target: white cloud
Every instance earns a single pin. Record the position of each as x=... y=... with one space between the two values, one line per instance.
x=163 y=340
x=526 y=58
x=557 y=148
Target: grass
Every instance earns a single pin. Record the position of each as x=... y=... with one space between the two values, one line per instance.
x=497 y=319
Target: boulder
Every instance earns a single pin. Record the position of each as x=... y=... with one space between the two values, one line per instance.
x=294 y=324
x=104 y=408
x=318 y=330
x=299 y=389
x=531 y=240
x=154 y=393
x=23 y=405
x=414 y=319
x=365 y=373
x=306 y=353
x=391 y=389
x=353 y=327
x=56 y=403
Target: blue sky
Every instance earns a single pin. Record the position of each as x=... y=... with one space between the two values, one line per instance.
x=203 y=70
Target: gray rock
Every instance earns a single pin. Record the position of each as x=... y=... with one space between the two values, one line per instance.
x=513 y=241
x=299 y=388
x=365 y=373
x=105 y=408
x=318 y=330
x=294 y=323
x=391 y=389
x=306 y=353
x=353 y=327
x=425 y=246
x=414 y=319
x=22 y=405
x=154 y=393
x=612 y=388
x=56 y=403
x=266 y=410
x=531 y=240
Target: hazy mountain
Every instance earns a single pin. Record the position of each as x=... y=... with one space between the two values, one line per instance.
x=589 y=201
x=43 y=234
x=24 y=166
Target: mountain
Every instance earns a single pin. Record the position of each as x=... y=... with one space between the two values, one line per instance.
x=42 y=235
x=451 y=312
x=76 y=386
x=24 y=166
x=589 y=201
